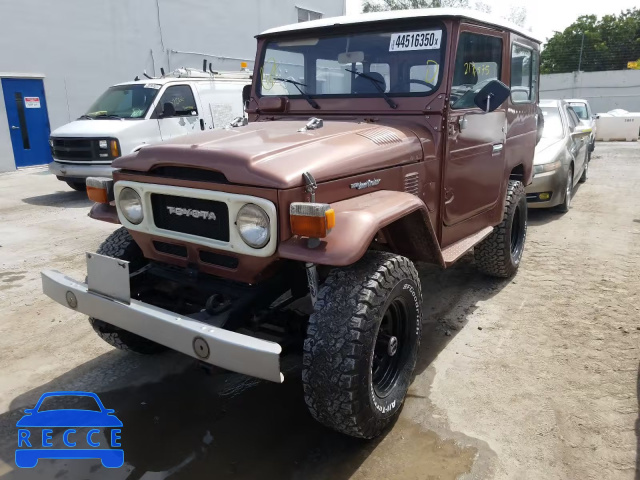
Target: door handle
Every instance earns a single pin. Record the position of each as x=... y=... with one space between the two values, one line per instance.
x=13 y=127
x=497 y=148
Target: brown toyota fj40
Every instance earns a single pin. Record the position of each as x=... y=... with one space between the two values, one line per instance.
x=374 y=141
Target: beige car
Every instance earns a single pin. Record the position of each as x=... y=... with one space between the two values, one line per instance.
x=561 y=158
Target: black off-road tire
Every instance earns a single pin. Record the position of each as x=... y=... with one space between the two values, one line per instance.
x=346 y=341
x=121 y=245
x=77 y=186
x=500 y=253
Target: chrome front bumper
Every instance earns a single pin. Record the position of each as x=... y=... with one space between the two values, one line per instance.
x=69 y=170
x=226 y=349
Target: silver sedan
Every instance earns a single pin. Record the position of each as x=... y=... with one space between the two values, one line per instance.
x=561 y=158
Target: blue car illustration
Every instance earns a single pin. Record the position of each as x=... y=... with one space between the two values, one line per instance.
x=68 y=418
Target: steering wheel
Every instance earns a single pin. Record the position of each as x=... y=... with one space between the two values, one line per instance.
x=419 y=82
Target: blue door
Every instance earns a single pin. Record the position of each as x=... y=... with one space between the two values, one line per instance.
x=28 y=120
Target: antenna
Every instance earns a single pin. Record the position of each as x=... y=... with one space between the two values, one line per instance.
x=136 y=79
x=204 y=65
x=213 y=72
x=145 y=74
x=162 y=71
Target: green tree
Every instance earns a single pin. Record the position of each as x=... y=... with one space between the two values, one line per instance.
x=606 y=44
x=383 y=5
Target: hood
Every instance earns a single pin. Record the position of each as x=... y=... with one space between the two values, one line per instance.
x=548 y=149
x=93 y=128
x=275 y=154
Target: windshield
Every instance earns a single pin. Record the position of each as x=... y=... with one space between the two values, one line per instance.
x=390 y=62
x=124 y=101
x=552 y=123
x=581 y=110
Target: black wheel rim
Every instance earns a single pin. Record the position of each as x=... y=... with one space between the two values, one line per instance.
x=517 y=233
x=390 y=348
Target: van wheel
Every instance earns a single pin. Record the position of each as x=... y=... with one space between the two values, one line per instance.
x=121 y=245
x=77 y=185
x=500 y=253
x=362 y=344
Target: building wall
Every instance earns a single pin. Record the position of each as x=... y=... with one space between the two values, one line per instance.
x=604 y=90
x=84 y=46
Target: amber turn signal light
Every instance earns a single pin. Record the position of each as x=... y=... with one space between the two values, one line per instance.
x=312 y=220
x=100 y=189
x=115 y=152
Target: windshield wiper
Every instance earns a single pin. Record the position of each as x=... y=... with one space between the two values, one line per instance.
x=376 y=84
x=306 y=96
x=110 y=115
x=88 y=117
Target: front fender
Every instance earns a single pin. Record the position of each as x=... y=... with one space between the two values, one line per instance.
x=402 y=216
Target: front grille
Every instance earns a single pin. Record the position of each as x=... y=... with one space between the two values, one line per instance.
x=194 y=216
x=78 y=149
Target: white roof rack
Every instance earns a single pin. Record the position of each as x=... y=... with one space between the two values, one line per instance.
x=400 y=14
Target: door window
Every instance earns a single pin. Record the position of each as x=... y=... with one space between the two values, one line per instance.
x=573 y=119
x=478 y=61
x=522 y=74
x=182 y=99
x=22 y=120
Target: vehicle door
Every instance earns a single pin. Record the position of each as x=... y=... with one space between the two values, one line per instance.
x=177 y=112
x=579 y=141
x=474 y=169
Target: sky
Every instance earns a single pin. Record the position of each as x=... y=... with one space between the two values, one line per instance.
x=545 y=16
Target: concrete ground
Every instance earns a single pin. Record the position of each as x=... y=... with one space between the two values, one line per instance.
x=532 y=378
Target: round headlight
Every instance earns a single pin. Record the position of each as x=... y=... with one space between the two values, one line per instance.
x=252 y=223
x=130 y=205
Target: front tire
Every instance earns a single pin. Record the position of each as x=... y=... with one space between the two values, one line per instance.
x=568 y=193
x=362 y=344
x=500 y=253
x=120 y=244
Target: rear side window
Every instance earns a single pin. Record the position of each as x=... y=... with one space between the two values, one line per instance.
x=478 y=61
x=573 y=119
x=580 y=109
x=182 y=99
x=523 y=74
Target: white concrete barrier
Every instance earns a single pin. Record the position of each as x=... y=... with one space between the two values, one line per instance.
x=610 y=128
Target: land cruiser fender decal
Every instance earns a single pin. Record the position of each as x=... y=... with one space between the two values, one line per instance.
x=400 y=217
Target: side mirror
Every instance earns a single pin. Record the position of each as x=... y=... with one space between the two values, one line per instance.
x=581 y=129
x=246 y=96
x=168 y=110
x=492 y=95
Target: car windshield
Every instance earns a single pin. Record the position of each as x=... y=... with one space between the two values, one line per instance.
x=69 y=402
x=399 y=62
x=581 y=110
x=552 y=123
x=124 y=101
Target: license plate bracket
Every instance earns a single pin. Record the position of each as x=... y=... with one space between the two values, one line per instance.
x=109 y=277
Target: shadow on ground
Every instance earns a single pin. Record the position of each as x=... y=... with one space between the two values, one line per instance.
x=193 y=425
x=68 y=199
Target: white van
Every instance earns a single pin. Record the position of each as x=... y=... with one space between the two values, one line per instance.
x=130 y=115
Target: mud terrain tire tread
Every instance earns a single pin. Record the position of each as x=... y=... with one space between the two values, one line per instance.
x=121 y=245
x=341 y=333
x=493 y=254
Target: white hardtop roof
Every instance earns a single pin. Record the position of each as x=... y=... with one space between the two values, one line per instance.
x=219 y=76
x=400 y=14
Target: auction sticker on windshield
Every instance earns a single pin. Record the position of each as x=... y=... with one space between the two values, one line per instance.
x=425 y=40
